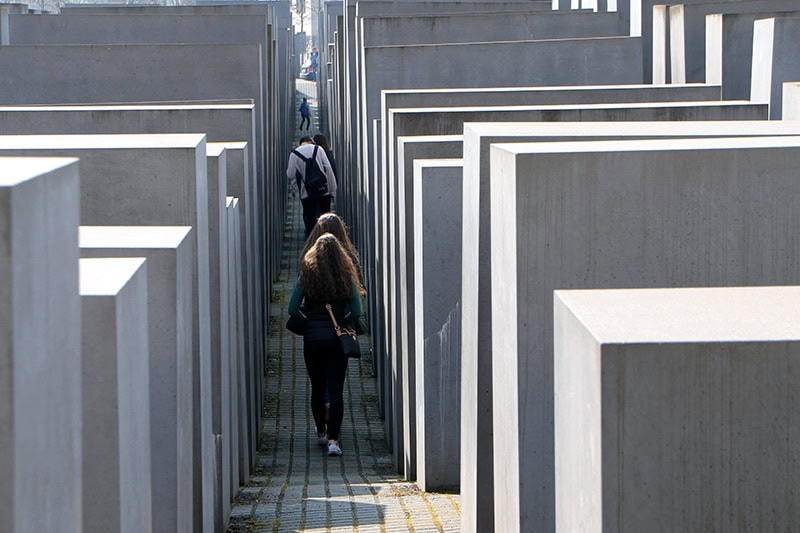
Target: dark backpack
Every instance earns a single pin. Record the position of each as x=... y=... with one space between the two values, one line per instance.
x=315 y=181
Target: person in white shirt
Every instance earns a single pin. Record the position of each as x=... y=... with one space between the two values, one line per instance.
x=313 y=206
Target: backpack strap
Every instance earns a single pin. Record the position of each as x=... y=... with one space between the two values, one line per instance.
x=301 y=156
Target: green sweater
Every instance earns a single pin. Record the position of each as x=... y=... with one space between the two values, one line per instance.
x=297 y=299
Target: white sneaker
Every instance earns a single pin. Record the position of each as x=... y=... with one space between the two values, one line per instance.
x=322 y=439
x=333 y=448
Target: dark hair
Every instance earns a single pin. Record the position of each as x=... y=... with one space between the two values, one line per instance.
x=327 y=272
x=305 y=139
x=333 y=224
x=321 y=140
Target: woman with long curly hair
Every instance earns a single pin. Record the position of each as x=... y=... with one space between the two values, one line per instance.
x=327 y=276
x=333 y=224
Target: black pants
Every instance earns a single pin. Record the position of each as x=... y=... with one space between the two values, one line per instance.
x=306 y=121
x=313 y=208
x=326 y=365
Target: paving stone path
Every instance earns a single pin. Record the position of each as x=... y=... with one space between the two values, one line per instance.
x=295 y=485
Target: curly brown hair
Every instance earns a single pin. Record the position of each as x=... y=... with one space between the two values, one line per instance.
x=333 y=224
x=327 y=272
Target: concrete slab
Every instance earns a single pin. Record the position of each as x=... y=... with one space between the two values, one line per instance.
x=403 y=384
x=437 y=298
x=729 y=51
x=237 y=327
x=678 y=368
x=168 y=251
x=150 y=180
x=450 y=121
x=477 y=475
x=487 y=26
x=688 y=22
x=417 y=7
x=791 y=101
x=663 y=222
x=40 y=346
x=146 y=27
x=115 y=395
x=220 y=121
x=774 y=60
x=548 y=62
x=218 y=289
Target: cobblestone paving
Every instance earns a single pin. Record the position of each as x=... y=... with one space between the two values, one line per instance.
x=295 y=485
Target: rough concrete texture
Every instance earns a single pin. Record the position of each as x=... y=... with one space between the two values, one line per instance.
x=687 y=25
x=775 y=60
x=433 y=121
x=168 y=251
x=401 y=257
x=437 y=297
x=118 y=187
x=548 y=62
x=220 y=121
x=443 y=27
x=241 y=185
x=682 y=212
x=415 y=7
x=218 y=289
x=240 y=469
x=678 y=370
x=40 y=346
x=476 y=475
x=729 y=51
x=148 y=26
x=115 y=388
x=102 y=73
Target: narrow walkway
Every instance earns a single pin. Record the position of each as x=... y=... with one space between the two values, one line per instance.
x=295 y=485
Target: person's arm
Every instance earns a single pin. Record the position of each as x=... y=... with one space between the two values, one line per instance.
x=325 y=165
x=296 y=300
x=291 y=166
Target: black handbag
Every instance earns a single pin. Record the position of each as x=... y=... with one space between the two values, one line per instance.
x=348 y=339
x=297 y=324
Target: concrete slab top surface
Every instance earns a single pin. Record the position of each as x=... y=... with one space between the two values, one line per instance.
x=655 y=128
x=125 y=107
x=431 y=138
x=235 y=145
x=132 y=236
x=214 y=150
x=556 y=107
x=520 y=42
x=439 y=163
x=106 y=276
x=718 y=314
x=67 y=142
x=542 y=88
x=660 y=145
x=15 y=170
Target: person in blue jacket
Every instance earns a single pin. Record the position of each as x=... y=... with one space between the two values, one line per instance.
x=305 y=114
x=327 y=276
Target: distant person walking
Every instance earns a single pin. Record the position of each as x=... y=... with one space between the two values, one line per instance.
x=327 y=276
x=322 y=141
x=309 y=167
x=305 y=114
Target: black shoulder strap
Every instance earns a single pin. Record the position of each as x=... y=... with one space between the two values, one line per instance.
x=301 y=156
x=314 y=155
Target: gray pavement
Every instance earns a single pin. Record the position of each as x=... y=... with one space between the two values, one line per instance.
x=295 y=485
